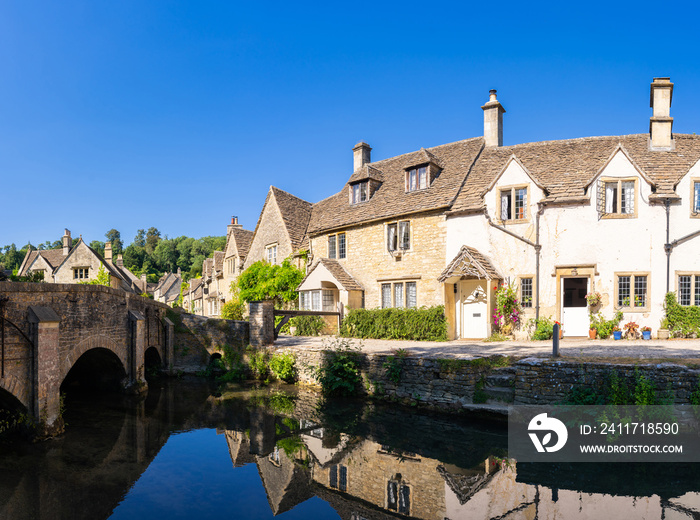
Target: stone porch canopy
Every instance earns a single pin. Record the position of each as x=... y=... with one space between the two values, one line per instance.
x=329 y=271
x=469 y=263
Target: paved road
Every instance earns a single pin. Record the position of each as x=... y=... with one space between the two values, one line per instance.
x=636 y=349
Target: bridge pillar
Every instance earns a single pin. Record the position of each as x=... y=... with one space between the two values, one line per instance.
x=137 y=349
x=262 y=323
x=169 y=347
x=46 y=372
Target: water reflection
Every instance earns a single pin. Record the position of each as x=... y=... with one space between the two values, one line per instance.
x=184 y=453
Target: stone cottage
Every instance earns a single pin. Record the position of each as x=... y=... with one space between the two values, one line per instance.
x=238 y=242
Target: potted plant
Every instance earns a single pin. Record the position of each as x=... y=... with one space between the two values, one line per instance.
x=593 y=299
x=617 y=333
x=663 y=330
x=631 y=330
x=593 y=327
x=646 y=332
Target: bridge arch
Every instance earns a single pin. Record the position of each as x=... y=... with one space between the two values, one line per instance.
x=11 y=387
x=96 y=369
x=96 y=341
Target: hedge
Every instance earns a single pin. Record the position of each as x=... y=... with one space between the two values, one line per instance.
x=424 y=324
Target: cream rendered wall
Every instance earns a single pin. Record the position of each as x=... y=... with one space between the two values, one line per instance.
x=575 y=236
x=685 y=257
x=80 y=256
x=371 y=264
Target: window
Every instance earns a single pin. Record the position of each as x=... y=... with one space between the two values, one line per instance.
x=696 y=197
x=620 y=197
x=231 y=265
x=402 y=294
x=398 y=236
x=632 y=291
x=359 y=192
x=398 y=497
x=514 y=203
x=336 y=246
x=317 y=300
x=417 y=179
x=526 y=292
x=81 y=273
x=271 y=254
x=689 y=289
x=338 y=477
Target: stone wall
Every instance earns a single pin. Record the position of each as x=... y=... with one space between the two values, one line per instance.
x=451 y=384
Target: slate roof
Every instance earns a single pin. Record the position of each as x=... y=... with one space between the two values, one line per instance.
x=339 y=273
x=295 y=212
x=566 y=168
x=391 y=199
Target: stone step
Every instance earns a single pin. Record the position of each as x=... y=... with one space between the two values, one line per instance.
x=500 y=380
x=500 y=394
x=504 y=370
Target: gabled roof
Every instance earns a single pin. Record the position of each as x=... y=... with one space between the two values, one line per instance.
x=391 y=200
x=53 y=257
x=243 y=238
x=366 y=172
x=337 y=271
x=470 y=263
x=565 y=168
x=295 y=214
x=218 y=261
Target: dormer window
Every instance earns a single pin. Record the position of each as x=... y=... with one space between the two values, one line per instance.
x=359 y=192
x=513 y=203
x=417 y=179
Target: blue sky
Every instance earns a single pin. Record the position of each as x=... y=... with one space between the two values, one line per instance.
x=177 y=115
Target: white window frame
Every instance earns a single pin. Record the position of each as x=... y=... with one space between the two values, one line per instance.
x=695 y=197
x=613 y=196
x=271 y=254
x=523 y=303
x=398 y=236
x=632 y=304
x=395 y=288
x=507 y=198
x=694 y=296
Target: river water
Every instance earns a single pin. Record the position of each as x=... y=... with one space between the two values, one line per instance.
x=189 y=450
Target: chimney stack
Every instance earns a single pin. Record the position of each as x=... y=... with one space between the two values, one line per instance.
x=144 y=283
x=67 y=242
x=661 y=122
x=108 y=252
x=361 y=155
x=234 y=224
x=120 y=260
x=493 y=120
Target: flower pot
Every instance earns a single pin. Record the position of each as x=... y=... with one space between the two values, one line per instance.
x=646 y=334
x=592 y=333
x=617 y=334
x=663 y=334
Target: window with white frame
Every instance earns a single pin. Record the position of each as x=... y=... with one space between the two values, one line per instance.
x=689 y=289
x=620 y=196
x=417 y=179
x=696 y=197
x=81 y=273
x=632 y=291
x=399 y=295
x=271 y=254
x=398 y=236
x=337 y=246
x=513 y=203
x=359 y=192
x=526 y=292
x=317 y=300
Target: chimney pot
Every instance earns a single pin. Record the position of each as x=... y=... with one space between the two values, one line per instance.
x=493 y=120
x=361 y=155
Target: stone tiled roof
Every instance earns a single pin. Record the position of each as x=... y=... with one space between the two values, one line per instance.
x=207 y=267
x=566 y=168
x=390 y=199
x=53 y=257
x=243 y=239
x=218 y=261
x=366 y=172
x=295 y=212
x=470 y=263
x=339 y=273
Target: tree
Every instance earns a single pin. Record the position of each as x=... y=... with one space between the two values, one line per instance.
x=262 y=281
x=152 y=239
x=165 y=255
x=115 y=237
x=99 y=247
x=134 y=256
x=140 y=238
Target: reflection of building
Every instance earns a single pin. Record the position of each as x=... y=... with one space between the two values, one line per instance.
x=286 y=483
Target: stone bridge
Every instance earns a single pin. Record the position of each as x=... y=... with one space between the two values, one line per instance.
x=51 y=334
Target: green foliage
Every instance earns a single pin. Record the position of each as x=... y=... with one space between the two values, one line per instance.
x=544 y=328
x=339 y=373
x=307 y=325
x=233 y=310
x=480 y=396
x=102 y=278
x=617 y=391
x=291 y=445
x=263 y=281
x=282 y=365
x=259 y=364
x=233 y=362
x=394 y=365
x=424 y=324
x=603 y=326
x=506 y=315
x=482 y=363
x=32 y=276
x=497 y=336
x=115 y=237
x=682 y=321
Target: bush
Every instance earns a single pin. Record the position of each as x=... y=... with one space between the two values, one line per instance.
x=307 y=325
x=603 y=326
x=682 y=321
x=259 y=364
x=544 y=329
x=339 y=373
x=424 y=324
x=233 y=310
x=282 y=366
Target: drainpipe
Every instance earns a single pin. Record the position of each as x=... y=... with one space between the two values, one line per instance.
x=667 y=245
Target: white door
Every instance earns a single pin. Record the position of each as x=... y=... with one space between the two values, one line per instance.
x=474 y=308
x=574 y=307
